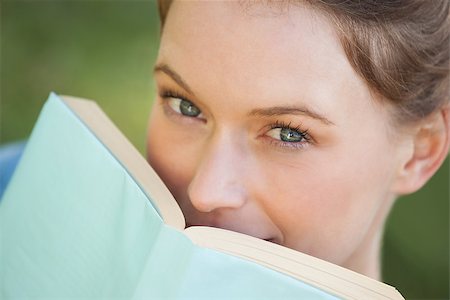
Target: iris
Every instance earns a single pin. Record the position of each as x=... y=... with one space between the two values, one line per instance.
x=189 y=109
x=289 y=135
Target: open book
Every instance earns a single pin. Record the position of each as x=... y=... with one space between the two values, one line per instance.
x=85 y=216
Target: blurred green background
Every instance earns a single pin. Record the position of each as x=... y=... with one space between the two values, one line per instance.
x=104 y=50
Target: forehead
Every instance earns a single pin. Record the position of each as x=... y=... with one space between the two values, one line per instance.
x=247 y=48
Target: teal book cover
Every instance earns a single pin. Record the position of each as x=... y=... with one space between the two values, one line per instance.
x=84 y=216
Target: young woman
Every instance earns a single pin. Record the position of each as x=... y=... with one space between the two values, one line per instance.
x=301 y=122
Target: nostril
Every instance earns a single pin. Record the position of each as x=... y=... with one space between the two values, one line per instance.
x=206 y=197
x=200 y=205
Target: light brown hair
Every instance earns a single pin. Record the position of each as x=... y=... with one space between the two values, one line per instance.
x=399 y=47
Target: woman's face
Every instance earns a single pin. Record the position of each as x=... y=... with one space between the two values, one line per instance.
x=261 y=126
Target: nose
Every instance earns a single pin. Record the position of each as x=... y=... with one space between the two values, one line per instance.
x=219 y=181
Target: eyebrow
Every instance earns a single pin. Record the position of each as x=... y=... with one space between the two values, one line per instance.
x=259 y=112
x=289 y=110
x=174 y=75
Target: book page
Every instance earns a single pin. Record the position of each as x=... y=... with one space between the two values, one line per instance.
x=213 y=274
x=96 y=120
x=327 y=276
x=74 y=224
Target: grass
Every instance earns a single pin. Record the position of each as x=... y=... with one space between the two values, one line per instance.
x=101 y=50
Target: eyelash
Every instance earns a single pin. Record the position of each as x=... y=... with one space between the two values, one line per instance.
x=166 y=94
x=306 y=137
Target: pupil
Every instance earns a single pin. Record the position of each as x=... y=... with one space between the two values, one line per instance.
x=188 y=109
x=288 y=135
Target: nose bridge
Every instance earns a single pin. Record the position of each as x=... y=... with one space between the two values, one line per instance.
x=219 y=177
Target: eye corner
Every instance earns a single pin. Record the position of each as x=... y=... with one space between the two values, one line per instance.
x=176 y=105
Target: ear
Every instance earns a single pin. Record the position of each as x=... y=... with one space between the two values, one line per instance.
x=430 y=147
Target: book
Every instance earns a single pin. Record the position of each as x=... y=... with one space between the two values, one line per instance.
x=85 y=216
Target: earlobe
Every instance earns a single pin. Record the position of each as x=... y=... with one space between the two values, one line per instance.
x=430 y=147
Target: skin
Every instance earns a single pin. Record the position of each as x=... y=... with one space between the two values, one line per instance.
x=253 y=71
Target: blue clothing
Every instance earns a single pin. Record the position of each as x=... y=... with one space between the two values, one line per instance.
x=10 y=155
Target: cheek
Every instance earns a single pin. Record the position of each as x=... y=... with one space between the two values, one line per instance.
x=172 y=162
x=327 y=203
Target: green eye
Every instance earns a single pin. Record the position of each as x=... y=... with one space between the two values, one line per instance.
x=184 y=107
x=289 y=135
x=189 y=109
x=286 y=134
